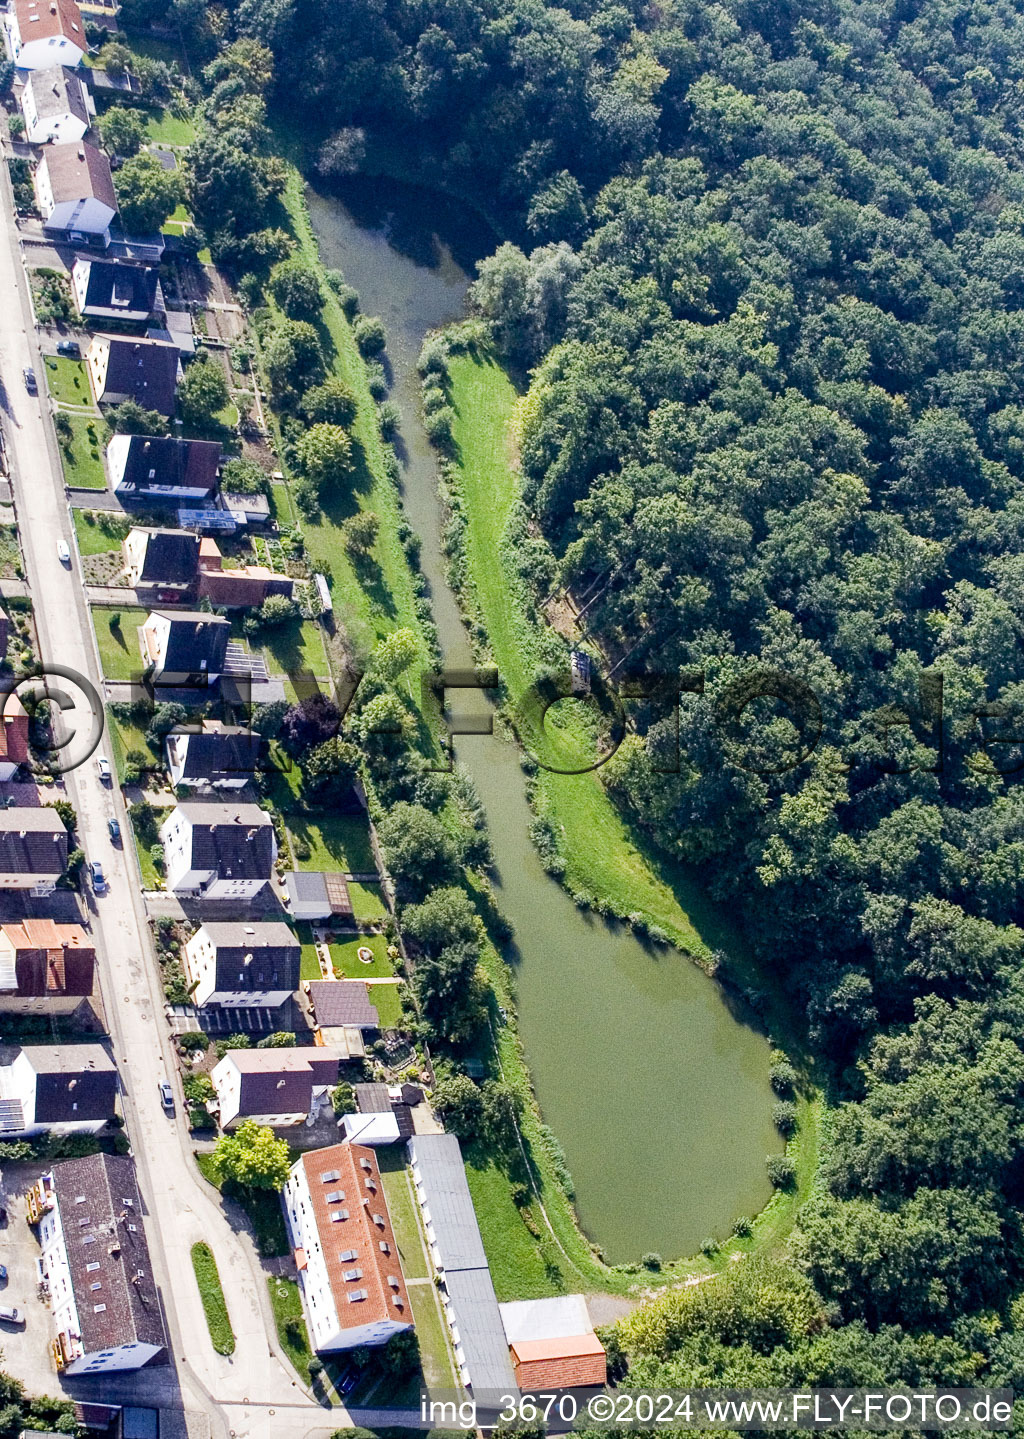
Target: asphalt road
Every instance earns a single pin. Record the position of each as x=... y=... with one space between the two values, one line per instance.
x=254 y=1392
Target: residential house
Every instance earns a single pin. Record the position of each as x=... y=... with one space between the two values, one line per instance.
x=114 y=290
x=55 y=105
x=14 y=747
x=145 y=468
x=277 y=1087
x=33 y=849
x=313 y=894
x=44 y=33
x=95 y=1266
x=350 y=1275
x=218 y=851
x=552 y=1343
x=123 y=368
x=341 y=1013
x=162 y=563
x=242 y=966
x=243 y=587
x=457 y=1252
x=213 y=755
x=185 y=647
x=40 y=957
x=57 y=1089
x=76 y=197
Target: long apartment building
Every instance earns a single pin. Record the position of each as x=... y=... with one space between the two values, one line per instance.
x=353 y=1288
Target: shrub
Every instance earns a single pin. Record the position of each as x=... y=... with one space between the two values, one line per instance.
x=651 y=1261
x=781 y=1171
x=741 y=1227
x=782 y=1077
x=784 y=1117
x=709 y=1246
x=369 y=334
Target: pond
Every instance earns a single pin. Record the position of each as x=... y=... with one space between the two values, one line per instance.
x=657 y=1093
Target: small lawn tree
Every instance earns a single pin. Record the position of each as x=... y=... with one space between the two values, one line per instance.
x=251 y=1157
x=202 y=393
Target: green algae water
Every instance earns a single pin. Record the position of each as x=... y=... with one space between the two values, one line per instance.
x=658 y=1094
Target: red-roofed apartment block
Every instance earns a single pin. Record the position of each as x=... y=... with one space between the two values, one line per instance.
x=353 y=1289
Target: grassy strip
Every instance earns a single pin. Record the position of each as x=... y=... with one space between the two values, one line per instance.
x=68 y=381
x=214 y=1306
x=603 y=856
x=286 y=1303
x=118 y=644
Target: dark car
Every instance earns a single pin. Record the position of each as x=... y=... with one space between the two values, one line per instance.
x=30 y=379
x=71 y=348
x=115 y=830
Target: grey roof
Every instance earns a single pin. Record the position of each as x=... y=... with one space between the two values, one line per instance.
x=32 y=841
x=237 y=841
x=132 y=1313
x=113 y=286
x=338 y=1002
x=73 y=1082
x=195 y=636
x=147 y=370
x=228 y=753
x=438 y=1157
x=162 y=461
x=480 y=1328
x=255 y=957
x=306 y=884
x=58 y=91
x=373 y=1098
x=467 y=1278
x=171 y=558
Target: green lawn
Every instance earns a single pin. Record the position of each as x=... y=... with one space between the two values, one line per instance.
x=262 y=1206
x=335 y=841
x=214 y=1306
x=291 y=1324
x=367 y=903
x=309 y=965
x=150 y=878
x=295 y=647
x=385 y=1000
x=67 y=380
x=119 y=647
x=124 y=736
x=92 y=538
x=165 y=128
x=521 y=1267
x=435 y=1351
x=280 y=503
x=82 y=457
x=345 y=958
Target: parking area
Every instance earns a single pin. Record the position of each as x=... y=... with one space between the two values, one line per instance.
x=26 y=1348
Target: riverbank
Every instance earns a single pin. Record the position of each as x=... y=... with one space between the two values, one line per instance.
x=604 y=864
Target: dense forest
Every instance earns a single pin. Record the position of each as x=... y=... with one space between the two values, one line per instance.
x=771 y=330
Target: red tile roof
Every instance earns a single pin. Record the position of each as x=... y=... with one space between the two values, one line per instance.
x=51 y=958
x=570 y=1362
x=14 y=731
x=366 y=1229
x=39 y=19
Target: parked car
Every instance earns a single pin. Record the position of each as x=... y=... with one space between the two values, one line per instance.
x=99 y=884
x=167 y=1096
x=3 y=1273
x=69 y=347
x=103 y=765
x=115 y=830
x=11 y=1316
x=30 y=379
x=63 y=552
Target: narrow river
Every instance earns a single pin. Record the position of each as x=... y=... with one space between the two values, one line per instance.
x=657 y=1094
